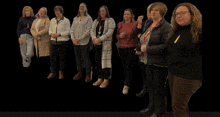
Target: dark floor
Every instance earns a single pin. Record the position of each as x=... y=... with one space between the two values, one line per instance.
x=99 y=114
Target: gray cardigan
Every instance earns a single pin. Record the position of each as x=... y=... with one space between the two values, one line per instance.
x=81 y=29
x=106 y=40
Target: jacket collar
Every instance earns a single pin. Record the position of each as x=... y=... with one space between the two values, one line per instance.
x=151 y=21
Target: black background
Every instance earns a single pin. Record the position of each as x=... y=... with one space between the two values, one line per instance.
x=29 y=90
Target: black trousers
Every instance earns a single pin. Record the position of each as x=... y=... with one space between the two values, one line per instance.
x=102 y=73
x=58 y=55
x=82 y=58
x=156 y=78
x=144 y=75
x=129 y=61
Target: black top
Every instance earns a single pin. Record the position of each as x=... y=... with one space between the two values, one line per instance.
x=102 y=29
x=184 y=56
x=24 y=25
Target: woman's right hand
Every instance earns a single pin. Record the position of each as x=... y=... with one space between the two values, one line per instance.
x=139 y=20
x=20 y=41
x=74 y=40
x=138 y=52
x=122 y=36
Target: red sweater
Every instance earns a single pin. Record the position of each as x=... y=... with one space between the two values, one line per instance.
x=129 y=40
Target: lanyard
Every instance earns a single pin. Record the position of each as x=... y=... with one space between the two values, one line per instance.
x=148 y=32
x=100 y=25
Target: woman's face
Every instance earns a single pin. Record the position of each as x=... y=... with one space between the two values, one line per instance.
x=102 y=12
x=155 y=13
x=41 y=12
x=27 y=13
x=81 y=8
x=127 y=16
x=182 y=16
x=57 y=13
x=149 y=15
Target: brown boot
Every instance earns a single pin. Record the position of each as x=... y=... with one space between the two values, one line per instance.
x=51 y=75
x=98 y=82
x=104 y=84
x=60 y=75
x=78 y=76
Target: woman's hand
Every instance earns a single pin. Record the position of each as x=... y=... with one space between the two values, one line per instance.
x=96 y=42
x=55 y=35
x=138 y=52
x=122 y=35
x=35 y=36
x=38 y=38
x=143 y=48
x=20 y=41
x=139 y=20
x=74 y=41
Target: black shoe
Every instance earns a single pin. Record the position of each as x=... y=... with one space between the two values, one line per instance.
x=142 y=93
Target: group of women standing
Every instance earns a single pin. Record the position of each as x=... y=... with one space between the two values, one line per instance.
x=163 y=49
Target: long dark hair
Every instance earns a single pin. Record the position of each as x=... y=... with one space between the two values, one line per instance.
x=107 y=12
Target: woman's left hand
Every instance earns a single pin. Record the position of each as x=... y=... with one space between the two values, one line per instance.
x=143 y=48
x=38 y=38
x=77 y=40
x=96 y=41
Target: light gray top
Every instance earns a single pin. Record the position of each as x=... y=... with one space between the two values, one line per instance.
x=80 y=29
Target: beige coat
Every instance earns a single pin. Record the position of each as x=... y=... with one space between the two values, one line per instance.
x=43 y=45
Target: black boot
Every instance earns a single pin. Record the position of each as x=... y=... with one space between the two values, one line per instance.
x=142 y=93
x=150 y=109
x=159 y=102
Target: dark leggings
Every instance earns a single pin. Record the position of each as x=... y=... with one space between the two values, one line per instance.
x=102 y=73
x=129 y=61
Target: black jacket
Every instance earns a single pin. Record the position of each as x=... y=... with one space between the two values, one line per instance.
x=156 y=49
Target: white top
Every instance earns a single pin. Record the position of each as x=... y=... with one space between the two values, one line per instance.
x=63 y=28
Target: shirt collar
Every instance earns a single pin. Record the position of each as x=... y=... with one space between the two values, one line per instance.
x=61 y=18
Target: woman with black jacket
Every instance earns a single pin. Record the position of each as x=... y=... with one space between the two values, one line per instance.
x=153 y=55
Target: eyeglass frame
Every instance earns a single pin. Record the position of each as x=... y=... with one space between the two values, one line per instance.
x=181 y=13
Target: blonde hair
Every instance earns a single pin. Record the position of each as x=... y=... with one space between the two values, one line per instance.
x=161 y=6
x=132 y=15
x=45 y=9
x=196 y=21
x=148 y=12
x=29 y=8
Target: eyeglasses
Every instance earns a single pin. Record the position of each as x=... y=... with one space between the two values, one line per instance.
x=181 y=13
